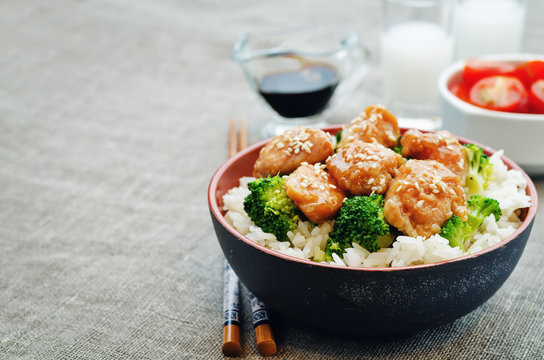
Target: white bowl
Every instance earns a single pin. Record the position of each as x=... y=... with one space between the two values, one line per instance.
x=521 y=136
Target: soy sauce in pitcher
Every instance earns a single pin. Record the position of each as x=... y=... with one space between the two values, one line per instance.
x=302 y=93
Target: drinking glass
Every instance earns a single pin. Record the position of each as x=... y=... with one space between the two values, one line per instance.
x=488 y=27
x=301 y=74
x=416 y=44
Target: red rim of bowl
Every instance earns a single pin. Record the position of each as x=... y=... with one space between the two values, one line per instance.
x=218 y=214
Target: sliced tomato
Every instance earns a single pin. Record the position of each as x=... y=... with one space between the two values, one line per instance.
x=529 y=72
x=536 y=97
x=475 y=70
x=500 y=93
x=461 y=91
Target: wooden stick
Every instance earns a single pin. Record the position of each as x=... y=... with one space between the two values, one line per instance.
x=266 y=345
x=231 y=323
x=231 y=341
x=242 y=139
x=233 y=143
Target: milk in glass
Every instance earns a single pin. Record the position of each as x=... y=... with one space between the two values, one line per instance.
x=413 y=55
x=416 y=45
x=488 y=26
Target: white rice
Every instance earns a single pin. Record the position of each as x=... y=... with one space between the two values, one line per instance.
x=308 y=240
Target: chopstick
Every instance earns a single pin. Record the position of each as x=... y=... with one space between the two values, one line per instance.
x=231 y=323
x=266 y=345
x=233 y=140
x=237 y=140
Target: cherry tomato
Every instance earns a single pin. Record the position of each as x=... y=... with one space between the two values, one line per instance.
x=536 y=97
x=529 y=72
x=461 y=91
x=500 y=93
x=475 y=70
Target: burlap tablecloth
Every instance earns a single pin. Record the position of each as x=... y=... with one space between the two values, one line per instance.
x=113 y=117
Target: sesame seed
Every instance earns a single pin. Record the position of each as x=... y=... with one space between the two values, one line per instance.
x=461 y=163
x=390 y=135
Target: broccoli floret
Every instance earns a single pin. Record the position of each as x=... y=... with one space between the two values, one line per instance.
x=338 y=138
x=398 y=148
x=359 y=220
x=480 y=170
x=456 y=231
x=270 y=208
x=479 y=207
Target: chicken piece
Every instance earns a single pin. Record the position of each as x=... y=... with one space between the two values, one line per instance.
x=375 y=125
x=286 y=152
x=364 y=168
x=441 y=146
x=314 y=192
x=423 y=195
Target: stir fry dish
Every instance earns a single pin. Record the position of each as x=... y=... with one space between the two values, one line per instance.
x=360 y=197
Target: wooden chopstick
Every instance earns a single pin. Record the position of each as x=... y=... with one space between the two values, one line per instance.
x=266 y=345
x=233 y=140
x=231 y=325
x=242 y=138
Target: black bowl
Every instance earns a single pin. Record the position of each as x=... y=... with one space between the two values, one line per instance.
x=361 y=301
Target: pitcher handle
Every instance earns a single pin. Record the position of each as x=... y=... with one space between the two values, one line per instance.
x=359 y=57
